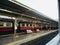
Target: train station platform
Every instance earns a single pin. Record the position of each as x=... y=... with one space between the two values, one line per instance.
x=20 y=39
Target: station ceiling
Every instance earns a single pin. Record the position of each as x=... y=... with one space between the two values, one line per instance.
x=17 y=10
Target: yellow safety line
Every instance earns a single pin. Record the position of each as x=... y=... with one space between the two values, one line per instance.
x=11 y=34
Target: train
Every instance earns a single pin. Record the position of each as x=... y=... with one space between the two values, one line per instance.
x=8 y=27
x=23 y=26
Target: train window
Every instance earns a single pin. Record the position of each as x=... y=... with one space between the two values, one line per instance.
x=30 y=24
x=4 y=24
x=8 y=24
x=20 y=25
x=27 y=25
x=1 y=24
x=23 y=24
x=34 y=25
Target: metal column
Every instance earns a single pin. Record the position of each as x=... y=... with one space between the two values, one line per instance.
x=15 y=27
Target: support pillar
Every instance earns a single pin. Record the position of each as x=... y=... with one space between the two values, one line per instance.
x=41 y=27
x=15 y=27
x=50 y=27
x=46 y=27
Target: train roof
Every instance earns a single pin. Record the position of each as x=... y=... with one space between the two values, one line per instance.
x=6 y=20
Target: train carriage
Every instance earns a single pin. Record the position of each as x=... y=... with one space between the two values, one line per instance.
x=24 y=26
x=6 y=26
